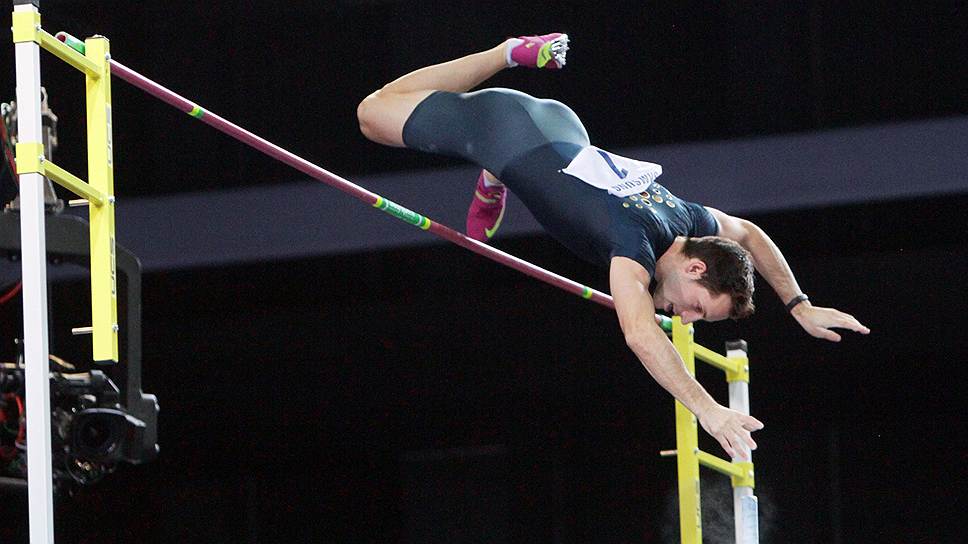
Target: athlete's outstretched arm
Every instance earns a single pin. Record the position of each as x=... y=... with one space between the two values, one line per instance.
x=636 y=315
x=769 y=262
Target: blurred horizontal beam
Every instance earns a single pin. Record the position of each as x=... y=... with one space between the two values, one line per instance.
x=304 y=219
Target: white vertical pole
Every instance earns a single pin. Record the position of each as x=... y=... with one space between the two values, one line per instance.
x=745 y=509
x=34 y=252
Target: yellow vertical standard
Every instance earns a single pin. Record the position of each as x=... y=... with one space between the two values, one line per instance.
x=100 y=167
x=687 y=444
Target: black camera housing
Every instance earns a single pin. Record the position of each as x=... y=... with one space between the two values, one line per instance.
x=99 y=417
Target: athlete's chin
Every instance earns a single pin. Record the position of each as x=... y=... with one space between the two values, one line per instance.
x=659 y=301
x=662 y=305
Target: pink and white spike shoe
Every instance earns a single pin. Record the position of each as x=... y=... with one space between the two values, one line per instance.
x=546 y=51
x=486 y=210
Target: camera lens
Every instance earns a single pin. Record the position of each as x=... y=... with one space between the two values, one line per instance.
x=104 y=434
x=96 y=435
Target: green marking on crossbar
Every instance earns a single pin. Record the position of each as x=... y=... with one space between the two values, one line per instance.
x=401 y=213
x=666 y=323
x=72 y=42
x=197 y=112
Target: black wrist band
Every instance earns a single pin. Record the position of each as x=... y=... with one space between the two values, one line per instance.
x=796 y=300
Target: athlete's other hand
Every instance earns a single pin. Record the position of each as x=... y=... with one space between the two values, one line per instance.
x=818 y=321
x=731 y=429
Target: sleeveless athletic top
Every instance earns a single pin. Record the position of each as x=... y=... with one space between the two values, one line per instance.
x=528 y=143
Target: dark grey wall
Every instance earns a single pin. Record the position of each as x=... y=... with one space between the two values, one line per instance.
x=749 y=176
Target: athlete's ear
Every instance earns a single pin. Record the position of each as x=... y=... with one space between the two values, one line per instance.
x=695 y=268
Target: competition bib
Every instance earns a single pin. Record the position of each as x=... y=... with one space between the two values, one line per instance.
x=618 y=175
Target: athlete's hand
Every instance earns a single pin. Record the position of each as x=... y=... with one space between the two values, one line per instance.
x=818 y=321
x=730 y=428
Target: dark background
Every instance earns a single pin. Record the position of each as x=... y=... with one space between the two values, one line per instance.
x=383 y=396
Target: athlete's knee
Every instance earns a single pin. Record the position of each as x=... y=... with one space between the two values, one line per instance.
x=383 y=114
x=367 y=114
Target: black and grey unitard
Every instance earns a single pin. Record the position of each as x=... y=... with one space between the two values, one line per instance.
x=526 y=142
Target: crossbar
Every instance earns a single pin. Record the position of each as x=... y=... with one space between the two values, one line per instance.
x=316 y=172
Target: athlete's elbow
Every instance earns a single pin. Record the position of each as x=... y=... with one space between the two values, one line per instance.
x=640 y=342
x=645 y=340
x=747 y=232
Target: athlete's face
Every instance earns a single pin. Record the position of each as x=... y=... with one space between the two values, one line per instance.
x=681 y=294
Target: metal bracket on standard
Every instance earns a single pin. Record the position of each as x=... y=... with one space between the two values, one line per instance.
x=35 y=3
x=748 y=479
x=742 y=372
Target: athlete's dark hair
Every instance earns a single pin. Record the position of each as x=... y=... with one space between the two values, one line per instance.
x=729 y=270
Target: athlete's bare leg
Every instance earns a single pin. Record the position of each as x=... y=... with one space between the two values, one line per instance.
x=383 y=113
